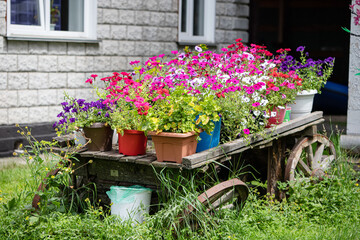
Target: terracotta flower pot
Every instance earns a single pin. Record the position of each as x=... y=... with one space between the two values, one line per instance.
x=172 y=147
x=132 y=143
x=100 y=135
x=277 y=116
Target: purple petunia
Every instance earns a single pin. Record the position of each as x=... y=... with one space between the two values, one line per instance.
x=300 y=49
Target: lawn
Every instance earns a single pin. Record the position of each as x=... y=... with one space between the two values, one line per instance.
x=313 y=209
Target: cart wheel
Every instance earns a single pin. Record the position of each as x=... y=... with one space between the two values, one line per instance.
x=220 y=195
x=311 y=156
x=42 y=187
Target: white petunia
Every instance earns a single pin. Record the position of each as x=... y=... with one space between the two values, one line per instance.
x=245 y=99
x=264 y=102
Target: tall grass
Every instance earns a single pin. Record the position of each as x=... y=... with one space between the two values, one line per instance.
x=328 y=209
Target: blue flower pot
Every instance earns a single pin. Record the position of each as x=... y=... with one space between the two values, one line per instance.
x=209 y=141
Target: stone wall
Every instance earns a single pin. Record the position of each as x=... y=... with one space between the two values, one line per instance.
x=34 y=75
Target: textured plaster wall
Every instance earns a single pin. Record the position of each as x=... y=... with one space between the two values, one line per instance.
x=34 y=75
x=353 y=114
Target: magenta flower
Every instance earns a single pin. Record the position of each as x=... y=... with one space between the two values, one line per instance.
x=255 y=104
x=246 y=131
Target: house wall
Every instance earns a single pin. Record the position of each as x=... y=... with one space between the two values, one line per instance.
x=35 y=74
x=353 y=114
x=351 y=140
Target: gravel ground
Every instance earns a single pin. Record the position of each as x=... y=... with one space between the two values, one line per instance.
x=8 y=161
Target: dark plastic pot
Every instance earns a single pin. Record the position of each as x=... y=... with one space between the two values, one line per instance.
x=100 y=135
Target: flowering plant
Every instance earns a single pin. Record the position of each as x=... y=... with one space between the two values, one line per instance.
x=181 y=112
x=129 y=101
x=78 y=113
x=313 y=73
x=176 y=106
x=240 y=75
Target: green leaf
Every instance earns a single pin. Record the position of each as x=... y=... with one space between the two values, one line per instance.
x=346 y=30
x=33 y=220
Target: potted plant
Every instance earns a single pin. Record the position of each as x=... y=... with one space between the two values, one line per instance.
x=281 y=90
x=92 y=117
x=178 y=120
x=129 y=100
x=313 y=74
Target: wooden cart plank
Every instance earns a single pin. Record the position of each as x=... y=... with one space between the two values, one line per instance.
x=240 y=145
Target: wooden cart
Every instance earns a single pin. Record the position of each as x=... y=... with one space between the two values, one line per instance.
x=277 y=155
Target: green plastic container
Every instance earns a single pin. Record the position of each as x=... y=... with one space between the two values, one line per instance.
x=130 y=202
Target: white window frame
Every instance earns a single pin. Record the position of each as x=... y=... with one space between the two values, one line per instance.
x=43 y=32
x=209 y=23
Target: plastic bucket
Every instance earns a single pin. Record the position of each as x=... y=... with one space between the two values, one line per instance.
x=130 y=202
x=209 y=141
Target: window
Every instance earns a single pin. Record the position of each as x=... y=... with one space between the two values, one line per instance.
x=62 y=20
x=197 y=21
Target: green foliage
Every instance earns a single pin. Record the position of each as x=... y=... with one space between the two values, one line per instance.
x=328 y=209
x=237 y=117
x=177 y=113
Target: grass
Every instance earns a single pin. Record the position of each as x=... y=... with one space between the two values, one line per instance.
x=329 y=209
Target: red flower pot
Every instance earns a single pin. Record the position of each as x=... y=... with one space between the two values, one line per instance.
x=132 y=143
x=277 y=116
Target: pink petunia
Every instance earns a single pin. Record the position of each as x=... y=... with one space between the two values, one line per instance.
x=246 y=131
x=255 y=104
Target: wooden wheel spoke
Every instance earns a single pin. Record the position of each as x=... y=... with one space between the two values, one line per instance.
x=306 y=170
x=304 y=159
x=318 y=154
x=310 y=156
x=326 y=161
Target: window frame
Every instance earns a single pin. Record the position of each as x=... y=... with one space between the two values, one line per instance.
x=209 y=23
x=43 y=32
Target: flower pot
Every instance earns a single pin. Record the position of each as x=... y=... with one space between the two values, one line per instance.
x=100 y=135
x=172 y=147
x=303 y=104
x=277 y=115
x=209 y=141
x=132 y=143
x=287 y=114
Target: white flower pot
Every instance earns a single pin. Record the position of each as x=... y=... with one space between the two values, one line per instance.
x=303 y=104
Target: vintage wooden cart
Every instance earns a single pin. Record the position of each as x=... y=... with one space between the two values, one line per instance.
x=287 y=148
